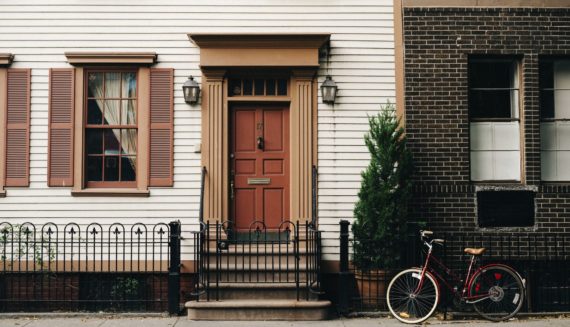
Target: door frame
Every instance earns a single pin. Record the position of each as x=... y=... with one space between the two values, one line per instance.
x=295 y=54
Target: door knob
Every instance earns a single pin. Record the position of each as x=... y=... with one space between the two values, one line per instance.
x=260 y=143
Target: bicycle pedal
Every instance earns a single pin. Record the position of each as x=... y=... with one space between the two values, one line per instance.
x=404 y=315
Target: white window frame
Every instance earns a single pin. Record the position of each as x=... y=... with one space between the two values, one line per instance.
x=555 y=131
x=495 y=143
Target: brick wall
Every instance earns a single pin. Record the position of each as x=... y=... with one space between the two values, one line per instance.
x=437 y=44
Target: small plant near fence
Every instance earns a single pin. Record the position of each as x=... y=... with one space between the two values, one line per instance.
x=27 y=248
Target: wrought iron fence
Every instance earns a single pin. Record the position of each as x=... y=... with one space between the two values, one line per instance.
x=543 y=260
x=289 y=254
x=89 y=268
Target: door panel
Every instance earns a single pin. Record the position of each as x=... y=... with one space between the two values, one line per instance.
x=273 y=202
x=244 y=207
x=259 y=163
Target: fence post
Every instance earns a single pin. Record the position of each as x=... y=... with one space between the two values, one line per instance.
x=344 y=274
x=174 y=269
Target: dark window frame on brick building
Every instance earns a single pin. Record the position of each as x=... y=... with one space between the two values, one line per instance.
x=494 y=111
x=505 y=208
x=554 y=84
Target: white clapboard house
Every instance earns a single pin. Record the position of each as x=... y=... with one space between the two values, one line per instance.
x=95 y=126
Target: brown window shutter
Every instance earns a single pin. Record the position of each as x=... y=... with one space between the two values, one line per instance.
x=161 y=127
x=60 y=144
x=18 y=128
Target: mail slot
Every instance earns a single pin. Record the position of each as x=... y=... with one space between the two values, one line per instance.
x=258 y=181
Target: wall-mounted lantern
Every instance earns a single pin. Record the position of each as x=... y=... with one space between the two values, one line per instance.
x=328 y=90
x=191 y=90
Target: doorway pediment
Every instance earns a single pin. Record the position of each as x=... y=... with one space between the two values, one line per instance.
x=259 y=50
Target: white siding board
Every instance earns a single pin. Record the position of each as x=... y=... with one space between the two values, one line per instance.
x=361 y=63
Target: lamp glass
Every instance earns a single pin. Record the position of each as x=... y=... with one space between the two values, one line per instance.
x=191 y=90
x=328 y=90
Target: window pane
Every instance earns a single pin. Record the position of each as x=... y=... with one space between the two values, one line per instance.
x=112 y=85
x=235 y=87
x=112 y=109
x=490 y=74
x=129 y=85
x=94 y=169
x=112 y=141
x=282 y=87
x=95 y=85
x=112 y=168
x=562 y=74
x=94 y=112
x=128 y=168
x=546 y=104
x=129 y=141
x=546 y=74
x=94 y=141
x=247 y=87
x=562 y=104
x=259 y=87
x=270 y=87
x=129 y=112
x=490 y=104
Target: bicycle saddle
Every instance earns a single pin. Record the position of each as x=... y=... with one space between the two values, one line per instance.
x=474 y=251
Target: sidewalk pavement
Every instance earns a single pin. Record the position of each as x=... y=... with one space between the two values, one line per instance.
x=122 y=321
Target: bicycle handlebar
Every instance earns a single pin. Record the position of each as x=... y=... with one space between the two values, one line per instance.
x=426 y=233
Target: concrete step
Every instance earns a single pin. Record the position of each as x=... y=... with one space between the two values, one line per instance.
x=255 y=248
x=260 y=276
x=255 y=266
x=254 y=254
x=258 y=310
x=258 y=291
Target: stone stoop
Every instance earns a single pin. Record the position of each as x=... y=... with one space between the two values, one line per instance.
x=259 y=310
x=257 y=283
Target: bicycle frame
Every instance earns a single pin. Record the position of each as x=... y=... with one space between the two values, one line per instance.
x=462 y=294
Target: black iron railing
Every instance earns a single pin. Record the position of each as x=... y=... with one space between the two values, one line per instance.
x=289 y=254
x=202 y=186
x=314 y=181
x=543 y=260
x=89 y=268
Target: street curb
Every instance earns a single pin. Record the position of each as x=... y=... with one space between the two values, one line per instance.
x=458 y=315
x=94 y=315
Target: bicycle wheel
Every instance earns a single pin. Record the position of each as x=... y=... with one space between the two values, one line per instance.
x=406 y=302
x=502 y=292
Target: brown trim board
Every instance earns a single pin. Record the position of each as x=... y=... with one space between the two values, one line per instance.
x=90 y=58
x=399 y=62
x=3 y=110
x=259 y=50
x=486 y=3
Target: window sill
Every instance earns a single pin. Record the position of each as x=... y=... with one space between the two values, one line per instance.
x=497 y=181
x=111 y=192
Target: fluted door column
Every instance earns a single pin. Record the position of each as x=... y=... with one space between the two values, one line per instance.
x=302 y=142
x=214 y=145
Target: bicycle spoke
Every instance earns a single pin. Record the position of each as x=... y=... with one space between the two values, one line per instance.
x=503 y=290
x=407 y=302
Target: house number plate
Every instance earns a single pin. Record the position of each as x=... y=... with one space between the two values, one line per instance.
x=258 y=181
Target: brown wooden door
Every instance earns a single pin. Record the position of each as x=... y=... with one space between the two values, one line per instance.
x=259 y=165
